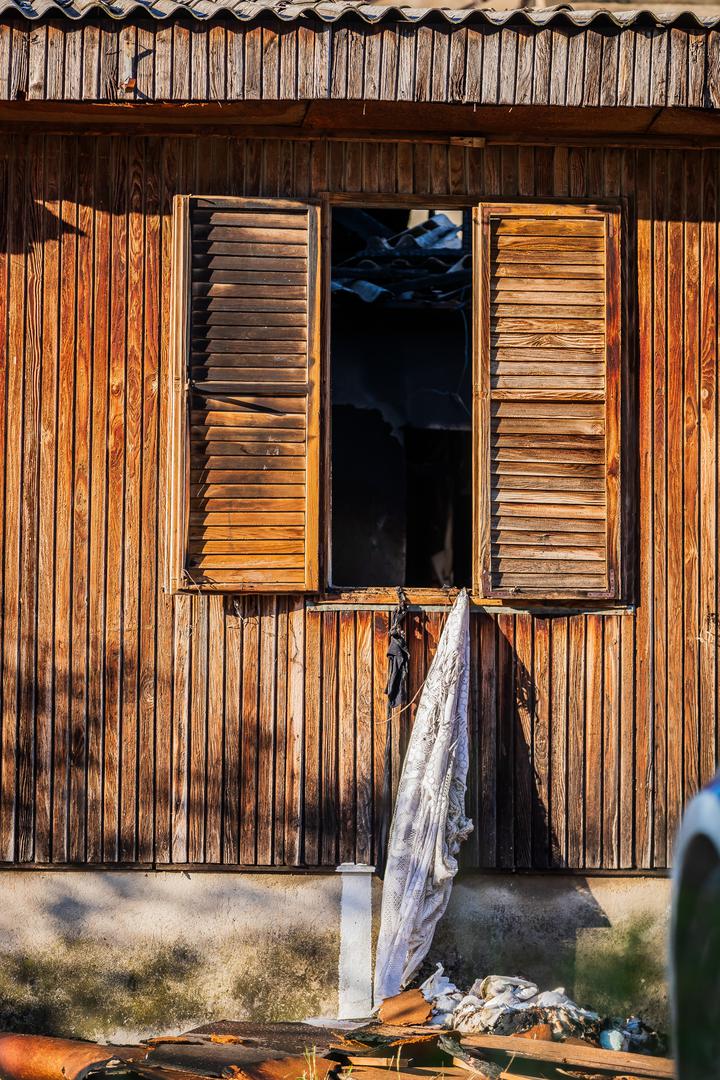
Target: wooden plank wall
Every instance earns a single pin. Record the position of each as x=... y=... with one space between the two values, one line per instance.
x=228 y=60
x=138 y=728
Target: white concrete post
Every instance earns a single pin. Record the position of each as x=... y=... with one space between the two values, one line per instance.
x=355 y=967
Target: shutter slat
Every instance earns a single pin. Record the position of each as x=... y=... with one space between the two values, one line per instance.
x=548 y=407
x=252 y=395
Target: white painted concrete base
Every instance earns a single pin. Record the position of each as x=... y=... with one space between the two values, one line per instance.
x=355 y=965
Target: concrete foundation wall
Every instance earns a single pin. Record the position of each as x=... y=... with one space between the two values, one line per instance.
x=604 y=939
x=121 y=955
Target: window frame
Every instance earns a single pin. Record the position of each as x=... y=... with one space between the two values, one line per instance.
x=321 y=591
x=429 y=596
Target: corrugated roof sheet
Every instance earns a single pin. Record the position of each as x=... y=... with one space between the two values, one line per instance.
x=331 y=11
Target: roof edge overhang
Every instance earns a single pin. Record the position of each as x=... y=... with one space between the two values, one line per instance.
x=333 y=11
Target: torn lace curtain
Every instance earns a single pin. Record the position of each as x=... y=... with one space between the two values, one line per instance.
x=429 y=822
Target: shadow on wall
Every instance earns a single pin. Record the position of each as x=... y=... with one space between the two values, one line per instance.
x=604 y=940
x=91 y=988
x=124 y=955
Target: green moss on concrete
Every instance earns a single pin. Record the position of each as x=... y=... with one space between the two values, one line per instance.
x=85 y=988
x=288 y=976
x=624 y=972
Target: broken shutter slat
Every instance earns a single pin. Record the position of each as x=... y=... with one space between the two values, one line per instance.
x=245 y=421
x=548 y=410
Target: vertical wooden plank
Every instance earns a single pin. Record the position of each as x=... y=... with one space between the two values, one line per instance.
x=181 y=62
x=659 y=51
x=217 y=63
x=611 y=745
x=198 y=74
x=25 y=820
x=505 y=805
x=234 y=41
x=693 y=212
x=524 y=710
x=311 y=793
x=381 y=750
x=440 y=63
x=363 y=738
x=641 y=69
x=163 y=62
x=559 y=66
x=115 y=475
x=627 y=742
x=486 y=826
x=507 y=66
x=294 y=767
x=708 y=616
x=329 y=768
x=197 y=728
x=5 y=66
x=559 y=656
x=576 y=742
x=470 y=851
x=644 y=675
x=280 y=732
x=98 y=506
x=542 y=675
x=214 y=772
x=355 y=62
x=575 y=68
x=268 y=692
x=179 y=850
x=63 y=504
x=172 y=168
x=129 y=758
x=542 y=67
x=149 y=683
x=82 y=383
x=8 y=226
x=594 y=765
x=674 y=478
x=405 y=168
x=232 y=697
x=250 y=714
x=47 y=486
x=346 y=735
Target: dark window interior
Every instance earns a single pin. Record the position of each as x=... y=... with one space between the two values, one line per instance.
x=401 y=379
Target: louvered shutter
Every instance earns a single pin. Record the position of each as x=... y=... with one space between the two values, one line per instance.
x=548 y=420
x=244 y=424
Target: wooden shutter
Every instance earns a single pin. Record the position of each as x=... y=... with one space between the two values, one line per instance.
x=548 y=420
x=245 y=414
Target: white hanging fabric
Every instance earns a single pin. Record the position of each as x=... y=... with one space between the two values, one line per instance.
x=429 y=821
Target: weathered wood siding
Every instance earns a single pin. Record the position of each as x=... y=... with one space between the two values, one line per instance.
x=140 y=728
x=228 y=60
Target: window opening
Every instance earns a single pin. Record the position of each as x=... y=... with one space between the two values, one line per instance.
x=401 y=391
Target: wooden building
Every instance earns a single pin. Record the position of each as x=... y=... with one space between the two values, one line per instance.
x=182 y=685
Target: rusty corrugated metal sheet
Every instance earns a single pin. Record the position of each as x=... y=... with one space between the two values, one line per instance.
x=331 y=11
x=40 y=1057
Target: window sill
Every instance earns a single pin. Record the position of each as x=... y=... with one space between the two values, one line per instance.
x=443 y=599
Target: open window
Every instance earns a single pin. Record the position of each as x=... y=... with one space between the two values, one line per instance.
x=401 y=391
x=472 y=425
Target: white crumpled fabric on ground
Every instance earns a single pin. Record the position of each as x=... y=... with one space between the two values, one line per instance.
x=493 y=997
x=429 y=821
